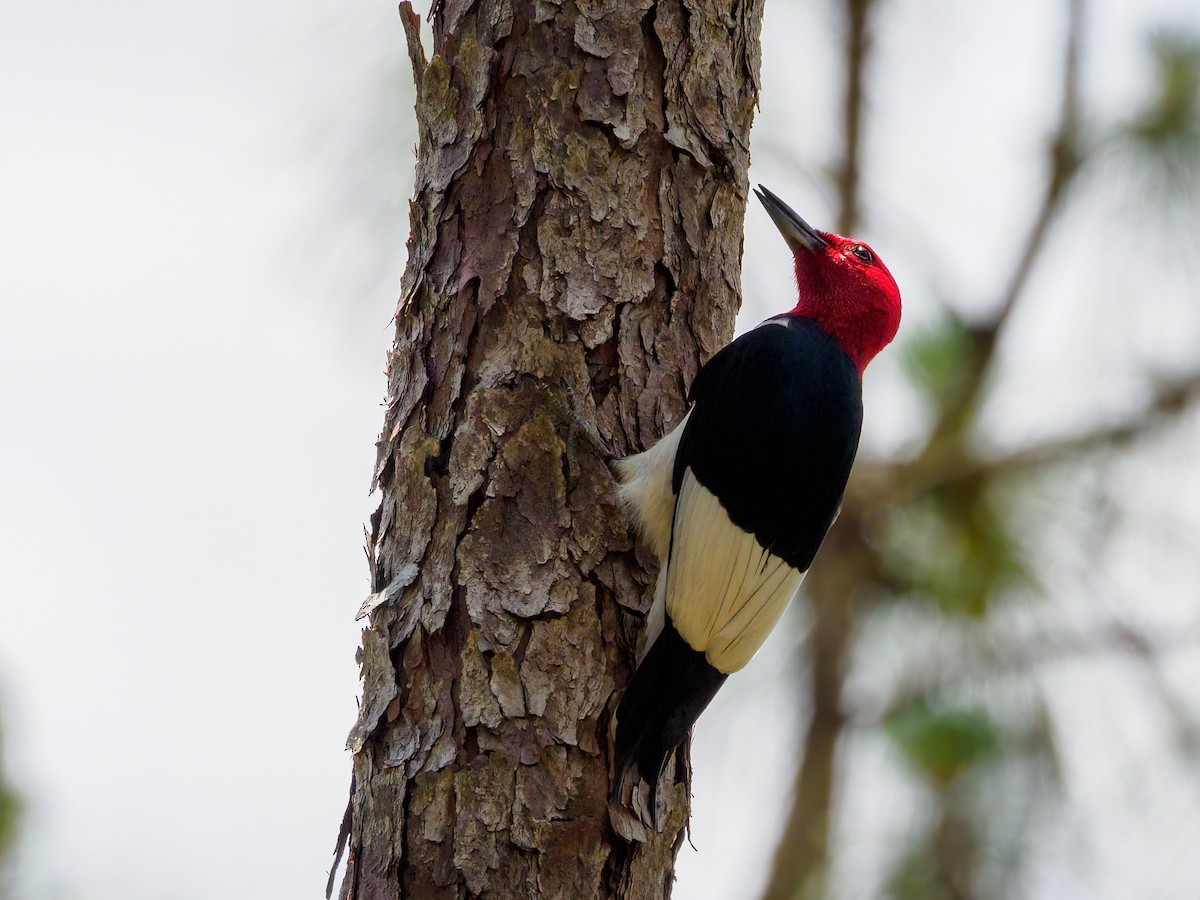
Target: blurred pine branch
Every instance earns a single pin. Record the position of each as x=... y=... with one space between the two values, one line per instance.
x=949 y=528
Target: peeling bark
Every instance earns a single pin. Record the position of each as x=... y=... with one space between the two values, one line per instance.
x=574 y=257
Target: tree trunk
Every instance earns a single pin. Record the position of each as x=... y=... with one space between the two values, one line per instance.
x=574 y=257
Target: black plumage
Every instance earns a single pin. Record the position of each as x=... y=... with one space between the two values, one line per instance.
x=667 y=693
x=773 y=433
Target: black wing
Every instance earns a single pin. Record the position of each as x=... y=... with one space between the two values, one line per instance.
x=773 y=433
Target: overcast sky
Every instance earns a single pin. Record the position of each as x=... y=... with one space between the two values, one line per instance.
x=194 y=330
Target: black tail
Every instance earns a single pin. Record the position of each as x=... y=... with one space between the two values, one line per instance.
x=666 y=695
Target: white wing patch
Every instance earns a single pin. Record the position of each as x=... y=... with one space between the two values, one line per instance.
x=724 y=592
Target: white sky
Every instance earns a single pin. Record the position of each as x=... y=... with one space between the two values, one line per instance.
x=190 y=382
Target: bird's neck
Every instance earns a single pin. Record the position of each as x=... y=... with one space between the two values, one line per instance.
x=860 y=331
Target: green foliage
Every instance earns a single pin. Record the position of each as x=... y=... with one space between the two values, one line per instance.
x=1163 y=136
x=921 y=876
x=1172 y=115
x=940 y=360
x=955 y=547
x=9 y=808
x=989 y=772
x=943 y=743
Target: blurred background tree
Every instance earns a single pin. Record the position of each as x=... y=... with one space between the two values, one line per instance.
x=955 y=549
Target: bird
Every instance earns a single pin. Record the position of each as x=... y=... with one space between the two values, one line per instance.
x=735 y=501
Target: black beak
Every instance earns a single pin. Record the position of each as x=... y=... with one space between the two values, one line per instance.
x=798 y=233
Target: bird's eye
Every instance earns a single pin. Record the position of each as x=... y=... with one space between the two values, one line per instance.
x=862 y=253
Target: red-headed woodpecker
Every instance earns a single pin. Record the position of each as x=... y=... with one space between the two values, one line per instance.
x=737 y=499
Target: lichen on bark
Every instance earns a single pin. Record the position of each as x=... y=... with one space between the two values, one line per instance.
x=574 y=257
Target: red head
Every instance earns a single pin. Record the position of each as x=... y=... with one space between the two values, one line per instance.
x=843 y=285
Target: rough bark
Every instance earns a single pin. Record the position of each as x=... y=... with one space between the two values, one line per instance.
x=574 y=257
